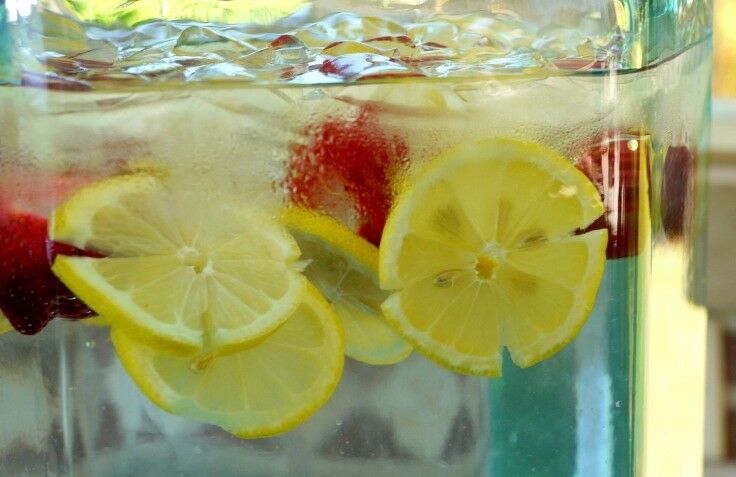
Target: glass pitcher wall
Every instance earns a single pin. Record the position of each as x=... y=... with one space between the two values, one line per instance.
x=352 y=238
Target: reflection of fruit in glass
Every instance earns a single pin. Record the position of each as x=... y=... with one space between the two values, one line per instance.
x=678 y=190
x=613 y=165
x=345 y=169
x=30 y=295
x=364 y=66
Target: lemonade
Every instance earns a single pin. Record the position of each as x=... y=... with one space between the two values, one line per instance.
x=298 y=241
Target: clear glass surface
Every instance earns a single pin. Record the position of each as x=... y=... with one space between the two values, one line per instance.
x=227 y=99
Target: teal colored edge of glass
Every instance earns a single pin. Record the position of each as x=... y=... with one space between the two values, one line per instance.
x=670 y=26
x=696 y=285
x=7 y=71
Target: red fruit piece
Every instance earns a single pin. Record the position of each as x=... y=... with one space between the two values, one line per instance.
x=286 y=41
x=613 y=166
x=48 y=188
x=30 y=294
x=345 y=168
x=678 y=190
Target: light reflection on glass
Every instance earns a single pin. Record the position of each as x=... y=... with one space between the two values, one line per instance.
x=724 y=66
x=674 y=370
x=19 y=8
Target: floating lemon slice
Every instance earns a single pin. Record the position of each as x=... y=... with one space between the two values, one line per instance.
x=480 y=252
x=181 y=269
x=345 y=269
x=260 y=391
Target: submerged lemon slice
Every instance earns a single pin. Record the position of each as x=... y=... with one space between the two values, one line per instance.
x=260 y=391
x=345 y=269
x=180 y=269
x=96 y=321
x=5 y=325
x=480 y=252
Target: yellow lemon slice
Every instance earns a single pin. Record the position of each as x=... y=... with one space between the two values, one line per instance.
x=344 y=267
x=480 y=252
x=260 y=391
x=181 y=268
x=96 y=321
x=5 y=325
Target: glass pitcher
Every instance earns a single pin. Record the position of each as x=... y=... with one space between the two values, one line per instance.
x=333 y=237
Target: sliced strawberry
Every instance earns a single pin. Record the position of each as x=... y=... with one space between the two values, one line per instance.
x=678 y=190
x=30 y=294
x=612 y=164
x=345 y=168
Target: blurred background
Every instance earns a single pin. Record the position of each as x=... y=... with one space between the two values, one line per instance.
x=720 y=426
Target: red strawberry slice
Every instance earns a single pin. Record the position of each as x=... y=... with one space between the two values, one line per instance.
x=345 y=168
x=613 y=166
x=30 y=294
x=678 y=191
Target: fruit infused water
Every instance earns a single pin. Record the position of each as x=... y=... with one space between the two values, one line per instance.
x=307 y=239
